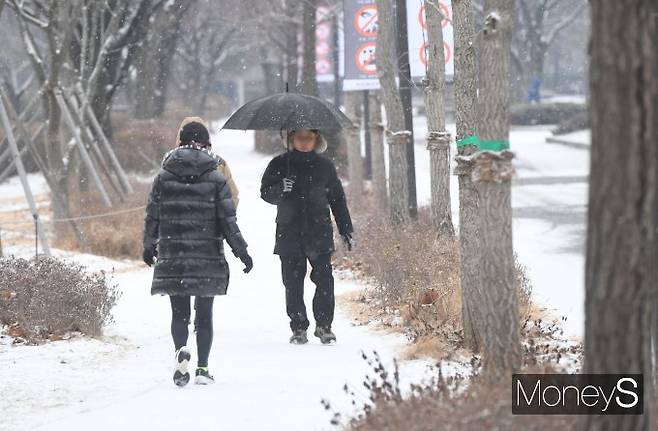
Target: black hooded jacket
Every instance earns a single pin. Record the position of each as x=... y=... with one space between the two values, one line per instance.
x=189 y=214
x=303 y=221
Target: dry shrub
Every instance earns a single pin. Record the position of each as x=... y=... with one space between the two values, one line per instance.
x=47 y=298
x=415 y=279
x=458 y=403
x=141 y=144
x=413 y=272
x=116 y=236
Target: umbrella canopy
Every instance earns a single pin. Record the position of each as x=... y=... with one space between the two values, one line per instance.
x=287 y=111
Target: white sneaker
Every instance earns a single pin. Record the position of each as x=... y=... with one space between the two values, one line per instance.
x=203 y=377
x=182 y=361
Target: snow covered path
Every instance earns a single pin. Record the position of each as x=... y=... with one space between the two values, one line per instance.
x=123 y=382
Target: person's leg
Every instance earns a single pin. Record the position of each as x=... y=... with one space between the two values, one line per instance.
x=323 y=300
x=203 y=327
x=293 y=272
x=180 y=319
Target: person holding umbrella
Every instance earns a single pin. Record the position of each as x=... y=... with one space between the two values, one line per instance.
x=304 y=186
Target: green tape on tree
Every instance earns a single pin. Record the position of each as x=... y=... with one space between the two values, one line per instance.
x=469 y=140
x=494 y=145
x=483 y=145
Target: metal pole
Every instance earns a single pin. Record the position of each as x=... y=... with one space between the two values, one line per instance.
x=335 y=59
x=404 y=74
x=366 y=128
x=23 y=177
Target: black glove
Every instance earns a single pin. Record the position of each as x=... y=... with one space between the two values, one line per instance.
x=288 y=184
x=149 y=256
x=247 y=261
x=347 y=240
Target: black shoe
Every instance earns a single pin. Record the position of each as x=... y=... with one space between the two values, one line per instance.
x=181 y=362
x=325 y=335
x=203 y=377
x=299 y=337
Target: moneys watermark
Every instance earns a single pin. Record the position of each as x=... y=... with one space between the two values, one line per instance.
x=577 y=394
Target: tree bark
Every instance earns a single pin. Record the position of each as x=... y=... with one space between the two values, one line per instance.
x=377 y=151
x=397 y=137
x=492 y=175
x=309 y=84
x=438 y=139
x=354 y=160
x=465 y=82
x=620 y=270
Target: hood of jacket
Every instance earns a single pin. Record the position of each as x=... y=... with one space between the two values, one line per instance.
x=189 y=162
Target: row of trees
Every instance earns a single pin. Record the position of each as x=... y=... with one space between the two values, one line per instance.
x=621 y=282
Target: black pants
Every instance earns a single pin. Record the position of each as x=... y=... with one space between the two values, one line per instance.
x=293 y=271
x=180 y=319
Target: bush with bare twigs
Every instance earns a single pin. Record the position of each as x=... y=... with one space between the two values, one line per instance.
x=49 y=298
x=456 y=402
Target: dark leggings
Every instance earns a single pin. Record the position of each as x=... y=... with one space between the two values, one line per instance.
x=180 y=319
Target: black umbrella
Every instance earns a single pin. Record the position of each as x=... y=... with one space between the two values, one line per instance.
x=287 y=111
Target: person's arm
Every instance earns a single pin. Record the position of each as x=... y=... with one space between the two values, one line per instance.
x=228 y=222
x=338 y=204
x=271 y=185
x=224 y=169
x=151 y=222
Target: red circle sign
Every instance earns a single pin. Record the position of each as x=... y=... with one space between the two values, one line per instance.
x=365 y=58
x=445 y=10
x=366 y=21
x=447 y=53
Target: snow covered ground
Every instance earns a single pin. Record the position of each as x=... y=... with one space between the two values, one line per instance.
x=123 y=381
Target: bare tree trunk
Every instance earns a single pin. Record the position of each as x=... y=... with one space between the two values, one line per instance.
x=492 y=176
x=466 y=102
x=397 y=137
x=309 y=83
x=620 y=270
x=377 y=151
x=155 y=59
x=354 y=160
x=438 y=140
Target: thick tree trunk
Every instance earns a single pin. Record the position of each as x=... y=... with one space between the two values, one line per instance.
x=492 y=176
x=620 y=270
x=309 y=84
x=354 y=160
x=396 y=136
x=438 y=140
x=466 y=118
x=377 y=151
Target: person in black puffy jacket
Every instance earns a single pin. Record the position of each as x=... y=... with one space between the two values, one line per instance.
x=305 y=187
x=188 y=216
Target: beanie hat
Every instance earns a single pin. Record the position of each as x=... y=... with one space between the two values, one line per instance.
x=196 y=132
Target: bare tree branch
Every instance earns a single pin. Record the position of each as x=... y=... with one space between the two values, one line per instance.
x=565 y=23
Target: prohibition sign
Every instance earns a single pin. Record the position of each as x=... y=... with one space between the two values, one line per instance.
x=366 y=21
x=365 y=58
x=322 y=66
x=444 y=10
x=447 y=52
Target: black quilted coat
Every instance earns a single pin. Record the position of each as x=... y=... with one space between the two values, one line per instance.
x=188 y=216
x=303 y=221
